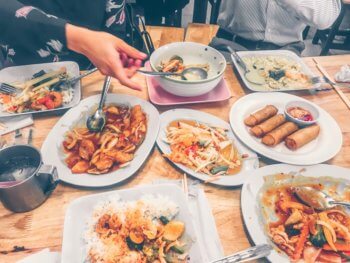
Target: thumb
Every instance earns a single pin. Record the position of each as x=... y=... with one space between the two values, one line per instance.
x=130 y=51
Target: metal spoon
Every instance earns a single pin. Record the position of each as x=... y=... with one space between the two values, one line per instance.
x=317 y=199
x=252 y=76
x=97 y=121
x=193 y=73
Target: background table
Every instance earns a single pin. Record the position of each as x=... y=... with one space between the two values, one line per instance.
x=26 y=233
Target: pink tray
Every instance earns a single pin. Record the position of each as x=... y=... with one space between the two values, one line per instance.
x=159 y=96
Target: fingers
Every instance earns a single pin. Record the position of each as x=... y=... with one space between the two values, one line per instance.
x=130 y=51
x=120 y=73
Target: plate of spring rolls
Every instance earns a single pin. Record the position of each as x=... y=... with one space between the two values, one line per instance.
x=259 y=121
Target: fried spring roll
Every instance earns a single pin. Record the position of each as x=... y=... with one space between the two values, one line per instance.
x=277 y=135
x=302 y=137
x=261 y=115
x=268 y=125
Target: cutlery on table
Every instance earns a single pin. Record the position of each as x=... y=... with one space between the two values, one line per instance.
x=30 y=137
x=97 y=121
x=256 y=252
x=73 y=80
x=195 y=72
x=317 y=199
x=251 y=75
x=17 y=136
x=325 y=80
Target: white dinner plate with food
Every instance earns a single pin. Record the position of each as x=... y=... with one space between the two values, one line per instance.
x=323 y=147
x=282 y=70
x=260 y=207
x=18 y=75
x=218 y=167
x=114 y=143
x=162 y=207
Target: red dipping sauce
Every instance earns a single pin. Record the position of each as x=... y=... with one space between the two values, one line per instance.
x=300 y=114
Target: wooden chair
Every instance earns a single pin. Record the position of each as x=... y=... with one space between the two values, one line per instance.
x=200 y=11
x=327 y=36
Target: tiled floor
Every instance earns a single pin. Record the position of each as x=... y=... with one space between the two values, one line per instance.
x=310 y=49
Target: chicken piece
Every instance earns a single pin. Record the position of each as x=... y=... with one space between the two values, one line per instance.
x=80 y=167
x=104 y=162
x=72 y=159
x=120 y=157
x=137 y=116
x=86 y=149
x=294 y=218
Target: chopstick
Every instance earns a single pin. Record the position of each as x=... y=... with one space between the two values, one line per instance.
x=344 y=98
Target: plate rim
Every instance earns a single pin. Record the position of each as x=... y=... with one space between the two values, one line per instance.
x=280 y=157
x=202 y=177
x=117 y=174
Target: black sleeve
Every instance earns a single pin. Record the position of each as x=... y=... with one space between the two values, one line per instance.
x=31 y=29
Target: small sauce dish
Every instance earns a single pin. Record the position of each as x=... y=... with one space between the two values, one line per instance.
x=301 y=112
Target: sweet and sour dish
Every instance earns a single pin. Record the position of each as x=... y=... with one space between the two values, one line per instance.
x=113 y=148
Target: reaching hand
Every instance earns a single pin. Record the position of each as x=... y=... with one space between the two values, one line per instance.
x=111 y=55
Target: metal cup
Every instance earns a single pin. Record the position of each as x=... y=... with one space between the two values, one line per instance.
x=35 y=188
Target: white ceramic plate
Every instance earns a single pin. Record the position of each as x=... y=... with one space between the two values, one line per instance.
x=23 y=73
x=251 y=187
x=323 y=148
x=280 y=53
x=180 y=114
x=52 y=152
x=80 y=211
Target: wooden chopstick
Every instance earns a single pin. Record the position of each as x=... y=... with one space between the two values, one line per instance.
x=185 y=185
x=341 y=94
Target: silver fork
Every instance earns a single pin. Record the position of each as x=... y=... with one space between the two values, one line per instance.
x=256 y=252
x=325 y=80
x=8 y=89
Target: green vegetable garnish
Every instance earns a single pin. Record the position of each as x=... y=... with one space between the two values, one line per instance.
x=319 y=239
x=218 y=169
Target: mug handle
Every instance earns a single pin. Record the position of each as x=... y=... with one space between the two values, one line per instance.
x=51 y=171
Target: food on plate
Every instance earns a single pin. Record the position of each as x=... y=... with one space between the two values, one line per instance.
x=303 y=233
x=261 y=115
x=300 y=113
x=113 y=148
x=144 y=230
x=176 y=65
x=279 y=134
x=279 y=72
x=268 y=125
x=302 y=137
x=45 y=91
x=273 y=128
x=203 y=148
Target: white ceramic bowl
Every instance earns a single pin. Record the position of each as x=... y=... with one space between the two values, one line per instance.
x=305 y=105
x=191 y=53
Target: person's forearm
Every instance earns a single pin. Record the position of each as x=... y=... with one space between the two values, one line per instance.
x=318 y=13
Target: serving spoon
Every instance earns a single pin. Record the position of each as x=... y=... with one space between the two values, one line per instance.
x=317 y=199
x=251 y=75
x=97 y=121
x=192 y=73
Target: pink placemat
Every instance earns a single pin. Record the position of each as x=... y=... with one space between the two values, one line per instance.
x=159 y=96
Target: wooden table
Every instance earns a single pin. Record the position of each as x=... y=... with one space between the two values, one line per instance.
x=26 y=233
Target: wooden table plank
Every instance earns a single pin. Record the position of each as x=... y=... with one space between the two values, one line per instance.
x=42 y=227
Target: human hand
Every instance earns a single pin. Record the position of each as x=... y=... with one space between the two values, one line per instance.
x=111 y=55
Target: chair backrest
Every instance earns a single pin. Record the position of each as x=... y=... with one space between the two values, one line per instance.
x=200 y=11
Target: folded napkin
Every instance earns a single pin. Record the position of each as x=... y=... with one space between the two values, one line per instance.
x=204 y=223
x=344 y=74
x=44 y=256
x=9 y=124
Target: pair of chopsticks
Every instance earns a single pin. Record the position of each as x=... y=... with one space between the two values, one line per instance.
x=185 y=185
x=344 y=98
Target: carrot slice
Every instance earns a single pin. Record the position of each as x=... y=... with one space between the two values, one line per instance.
x=345 y=247
x=304 y=233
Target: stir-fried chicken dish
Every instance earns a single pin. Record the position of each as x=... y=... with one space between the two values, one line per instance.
x=113 y=148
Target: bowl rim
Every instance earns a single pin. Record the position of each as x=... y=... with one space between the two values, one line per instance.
x=191 y=81
x=298 y=120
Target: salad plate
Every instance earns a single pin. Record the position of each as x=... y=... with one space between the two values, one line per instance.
x=19 y=74
x=53 y=152
x=248 y=164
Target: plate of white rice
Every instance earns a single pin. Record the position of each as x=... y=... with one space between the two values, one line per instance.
x=80 y=237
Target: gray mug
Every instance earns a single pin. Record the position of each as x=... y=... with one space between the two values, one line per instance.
x=32 y=181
